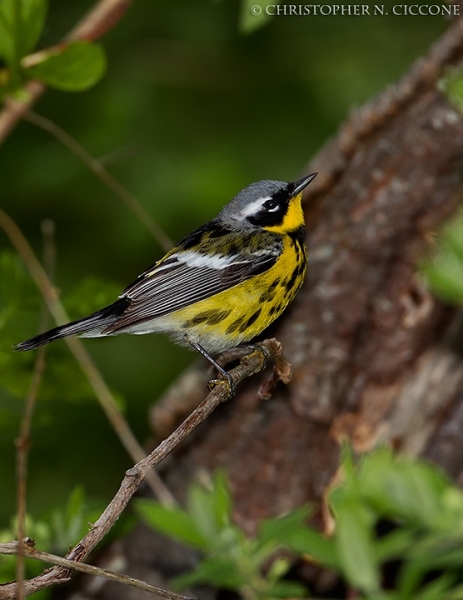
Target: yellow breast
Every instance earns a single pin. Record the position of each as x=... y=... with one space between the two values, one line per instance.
x=242 y=312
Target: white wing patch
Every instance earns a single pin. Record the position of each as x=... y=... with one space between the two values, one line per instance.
x=212 y=261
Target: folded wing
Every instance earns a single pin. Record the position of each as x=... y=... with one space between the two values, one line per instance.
x=185 y=277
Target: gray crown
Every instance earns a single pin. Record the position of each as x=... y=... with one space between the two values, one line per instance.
x=230 y=214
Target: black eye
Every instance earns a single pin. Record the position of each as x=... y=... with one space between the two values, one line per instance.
x=271 y=205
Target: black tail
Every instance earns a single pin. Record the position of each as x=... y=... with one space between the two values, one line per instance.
x=96 y=321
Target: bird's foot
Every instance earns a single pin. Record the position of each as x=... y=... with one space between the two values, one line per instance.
x=227 y=381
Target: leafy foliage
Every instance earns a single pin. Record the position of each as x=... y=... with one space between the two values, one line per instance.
x=75 y=69
x=444 y=272
x=21 y=24
x=20 y=306
x=423 y=510
x=231 y=560
x=74 y=66
x=452 y=86
x=56 y=533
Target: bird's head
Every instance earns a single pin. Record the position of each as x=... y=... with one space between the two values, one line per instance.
x=270 y=205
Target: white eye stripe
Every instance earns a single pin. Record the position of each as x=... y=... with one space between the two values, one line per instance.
x=253 y=207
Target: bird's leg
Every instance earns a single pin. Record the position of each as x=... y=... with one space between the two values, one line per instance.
x=226 y=377
x=232 y=355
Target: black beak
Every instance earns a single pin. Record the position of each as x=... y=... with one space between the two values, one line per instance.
x=302 y=183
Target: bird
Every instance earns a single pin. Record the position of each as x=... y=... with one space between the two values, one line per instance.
x=221 y=286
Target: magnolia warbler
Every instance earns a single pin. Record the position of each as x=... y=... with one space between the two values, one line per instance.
x=220 y=286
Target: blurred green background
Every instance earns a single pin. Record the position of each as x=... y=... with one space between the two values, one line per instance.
x=189 y=112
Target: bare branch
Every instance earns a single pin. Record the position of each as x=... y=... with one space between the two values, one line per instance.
x=250 y=364
x=27 y=548
x=84 y=359
x=100 y=19
x=14 y=110
x=104 y=176
x=23 y=442
x=282 y=371
x=184 y=394
x=105 y=15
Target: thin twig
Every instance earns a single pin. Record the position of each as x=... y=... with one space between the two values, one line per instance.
x=103 y=175
x=250 y=364
x=183 y=395
x=282 y=371
x=84 y=359
x=27 y=547
x=100 y=19
x=23 y=441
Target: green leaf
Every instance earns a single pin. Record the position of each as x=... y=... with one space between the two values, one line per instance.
x=21 y=23
x=438 y=551
x=409 y=579
x=452 y=505
x=444 y=275
x=336 y=497
x=219 y=571
x=291 y=531
x=174 y=522
x=354 y=533
x=38 y=531
x=455 y=594
x=7 y=35
x=280 y=528
x=402 y=488
x=444 y=272
x=33 y=15
x=452 y=86
x=75 y=503
x=278 y=569
x=71 y=522
x=393 y=545
x=453 y=236
x=254 y=15
x=76 y=68
x=221 y=499
x=201 y=508
x=436 y=589
x=317 y=546
x=210 y=511
x=287 y=589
